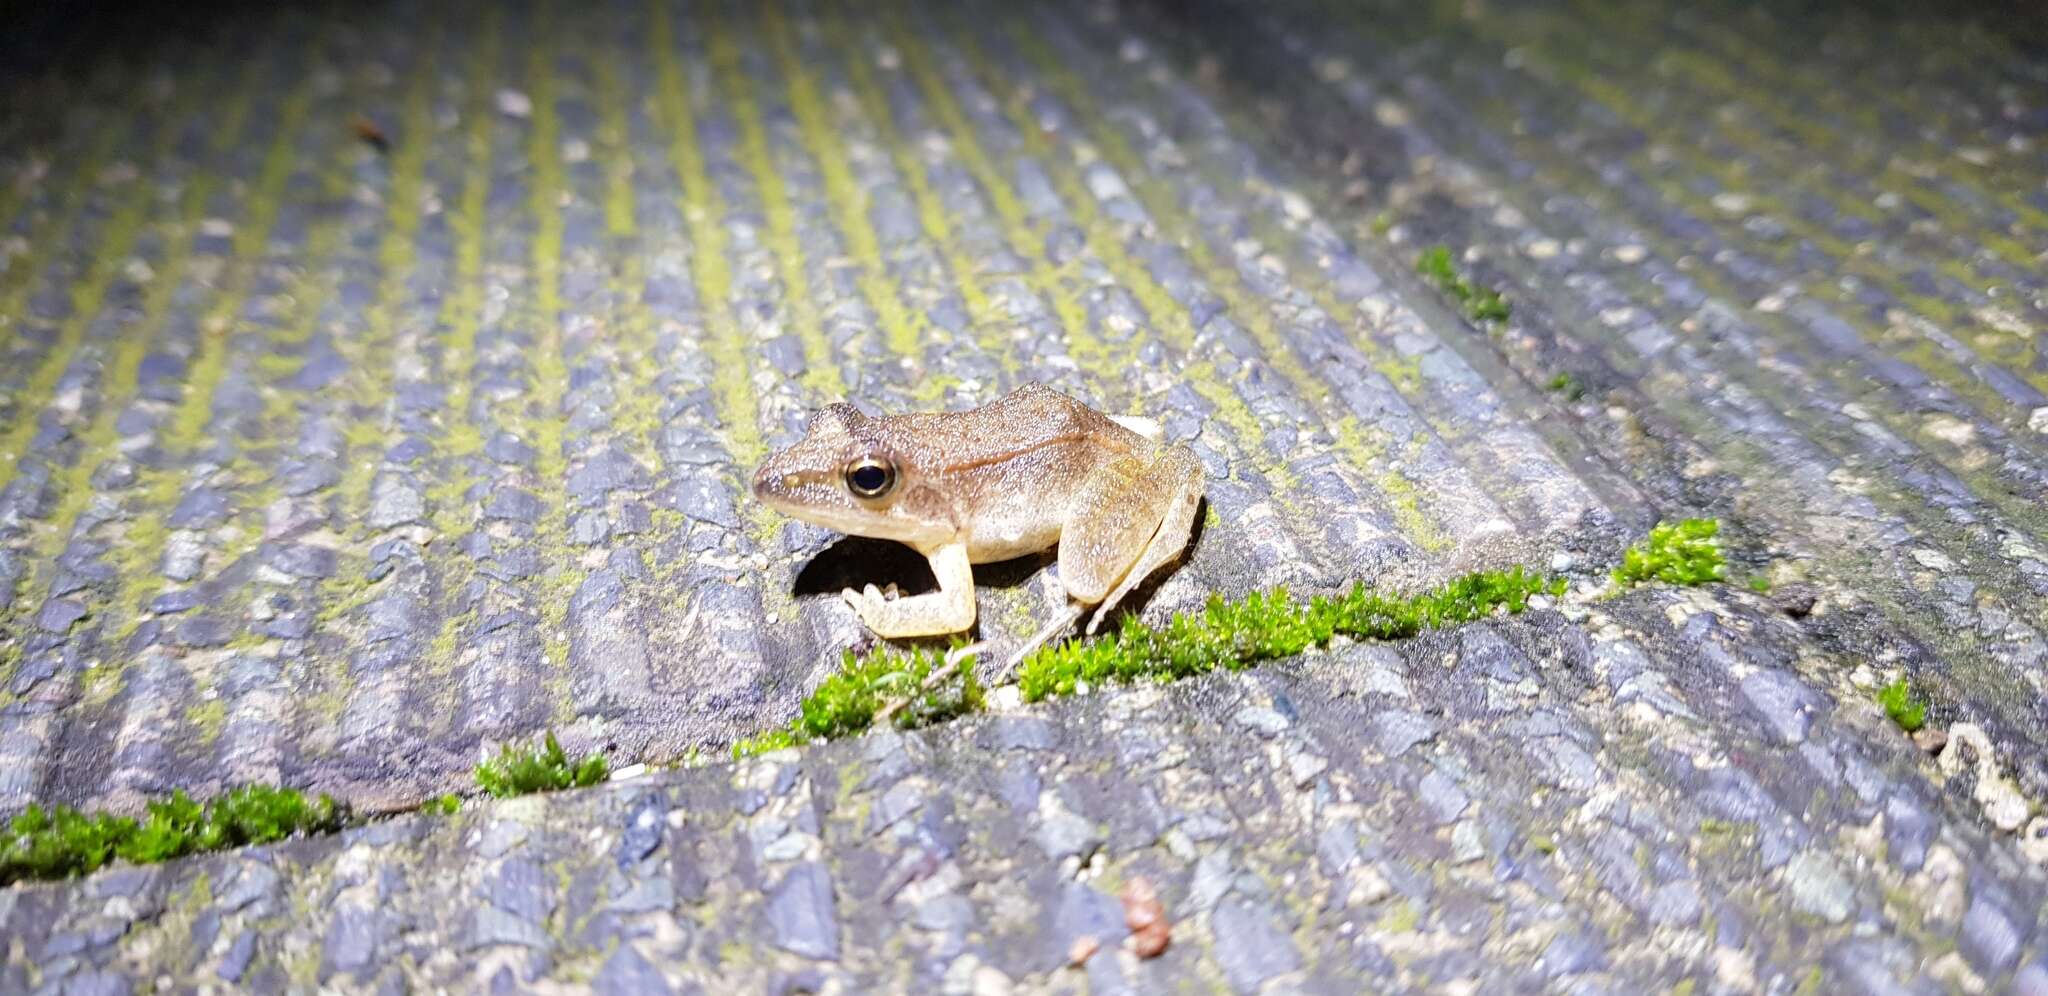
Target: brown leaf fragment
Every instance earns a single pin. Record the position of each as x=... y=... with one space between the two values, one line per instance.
x=1146 y=916
x=368 y=132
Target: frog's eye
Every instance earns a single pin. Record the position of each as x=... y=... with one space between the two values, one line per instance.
x=870 y=477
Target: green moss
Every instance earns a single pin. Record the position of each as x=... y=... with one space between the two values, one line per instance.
x=847 y=701
x=1759 y=583
x=1232 y=635
x=1681 y=553
x=780 y=738
x=1904 y=708
x=1265 y=626
x=1480 y=304
x=207 y=717
x=1226 y=634
x=1723 y=840
x=1400 y=918
x=1566 y=385
x=1404 y=372
x=60 y=842
x=1813 y=983
x=1544 y=844
x=447 y=805
x=547 y=769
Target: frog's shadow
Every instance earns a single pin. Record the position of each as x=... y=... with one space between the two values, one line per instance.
x=855 y=561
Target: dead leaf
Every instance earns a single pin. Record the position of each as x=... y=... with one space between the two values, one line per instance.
x=1146 y=916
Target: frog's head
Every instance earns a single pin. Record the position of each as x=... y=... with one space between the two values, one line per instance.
x=846 y=474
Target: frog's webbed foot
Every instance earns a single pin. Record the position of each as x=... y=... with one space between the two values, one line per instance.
x=948 y=610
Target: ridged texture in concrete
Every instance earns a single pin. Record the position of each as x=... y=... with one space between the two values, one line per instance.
x=330 y=466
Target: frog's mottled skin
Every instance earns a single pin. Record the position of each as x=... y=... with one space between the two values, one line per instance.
x=1024 y=473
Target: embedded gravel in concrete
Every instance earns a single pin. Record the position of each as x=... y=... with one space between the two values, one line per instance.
x=332 y=466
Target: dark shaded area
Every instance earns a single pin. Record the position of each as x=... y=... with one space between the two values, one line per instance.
x=856 y=561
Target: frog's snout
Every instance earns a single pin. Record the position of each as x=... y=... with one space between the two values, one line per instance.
x=776 y=485
x=767 y=482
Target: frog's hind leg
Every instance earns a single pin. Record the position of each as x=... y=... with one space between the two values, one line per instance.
x=1131 y=519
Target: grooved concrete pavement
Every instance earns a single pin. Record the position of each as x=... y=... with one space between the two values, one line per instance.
x=332 y=466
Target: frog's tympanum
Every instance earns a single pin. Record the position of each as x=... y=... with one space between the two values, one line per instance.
x=1032 y=470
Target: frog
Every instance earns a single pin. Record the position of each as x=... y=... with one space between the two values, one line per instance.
x=1031 y=471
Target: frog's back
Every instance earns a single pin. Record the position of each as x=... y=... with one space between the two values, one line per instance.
x=1031 y=419
x=1012 y=467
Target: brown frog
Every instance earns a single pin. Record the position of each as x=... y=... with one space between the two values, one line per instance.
x=1027 y=472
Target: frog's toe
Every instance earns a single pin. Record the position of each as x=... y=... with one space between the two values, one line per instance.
x=1095 y=621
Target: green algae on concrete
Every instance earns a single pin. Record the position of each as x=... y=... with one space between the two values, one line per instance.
x=462 y=316
x=186 y=430
x=931 y=210
x=133 y=557
x=731 y=386
x=540 y=421
x=904 y=328
x=736 y=92
x=1053 y=286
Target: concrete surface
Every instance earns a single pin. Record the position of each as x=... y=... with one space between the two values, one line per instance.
x=328 y=465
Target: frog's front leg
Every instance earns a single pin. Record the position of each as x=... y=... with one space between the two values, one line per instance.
x=948 y=610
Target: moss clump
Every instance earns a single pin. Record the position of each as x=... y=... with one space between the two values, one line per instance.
x=848 y=701
x=1567 y=385
x=522 y=772
x=447 y=805
x=1266 y=626
x=1480 y=304
x=1225 y=634
x=60 y=841
x=1904 y=708
x=1760 y=583
x=1681 y=553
